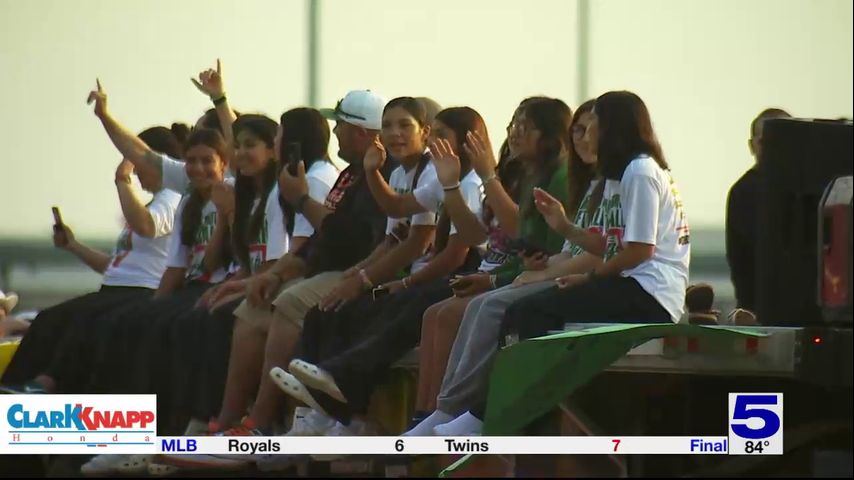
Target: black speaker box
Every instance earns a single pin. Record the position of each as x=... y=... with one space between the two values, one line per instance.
x=799 y=159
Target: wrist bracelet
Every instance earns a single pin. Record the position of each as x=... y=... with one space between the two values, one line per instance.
x=218 y=101
x=490 y=178
x=300 y=203
x=365 y=278
x=405 y=282
x=452 y=187
x=492 y=280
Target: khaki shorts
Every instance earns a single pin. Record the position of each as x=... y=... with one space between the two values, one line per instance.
x=292 y=303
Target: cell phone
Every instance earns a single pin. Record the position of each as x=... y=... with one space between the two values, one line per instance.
x=526 y=247
x=57 y=217
x=293 y=155
x=379 y=292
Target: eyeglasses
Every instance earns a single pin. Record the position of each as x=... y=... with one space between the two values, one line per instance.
x=521 y=127
x=342 y=113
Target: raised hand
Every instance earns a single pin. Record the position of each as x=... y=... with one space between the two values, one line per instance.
x=99 y=97
x=480 y=152
x=210 y=82
x=552 y=210
x=375 y=156
x=447 y=162
x=222 y=196
x=63 y=237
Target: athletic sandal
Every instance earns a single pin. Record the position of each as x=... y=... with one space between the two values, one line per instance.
x=317 y=378
x=293 y=387
x=161 y=470
x=743 y=318
x=699 y=299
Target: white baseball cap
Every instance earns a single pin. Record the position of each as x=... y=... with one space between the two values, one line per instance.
x=362 y=108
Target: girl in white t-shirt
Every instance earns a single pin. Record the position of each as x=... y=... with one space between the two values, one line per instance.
x=646 y=248
x=55 y=354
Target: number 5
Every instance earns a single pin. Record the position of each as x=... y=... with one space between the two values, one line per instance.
x=742 y=411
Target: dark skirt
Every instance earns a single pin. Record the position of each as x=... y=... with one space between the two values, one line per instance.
x=62 y=340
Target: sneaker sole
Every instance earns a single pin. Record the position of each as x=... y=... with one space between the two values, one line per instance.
x=293 y=387
x=209 y=463
x=310 y=375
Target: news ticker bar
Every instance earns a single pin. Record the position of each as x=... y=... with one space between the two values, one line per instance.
x=122 y=443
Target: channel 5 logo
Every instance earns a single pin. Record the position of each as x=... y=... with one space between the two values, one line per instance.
x=755 y=423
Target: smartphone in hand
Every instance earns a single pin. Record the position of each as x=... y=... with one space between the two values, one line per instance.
x=57 y=217
x=379 y=292
x=293 y=155
x=526 y=247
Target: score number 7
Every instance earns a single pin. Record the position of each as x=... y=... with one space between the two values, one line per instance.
x=616 y=443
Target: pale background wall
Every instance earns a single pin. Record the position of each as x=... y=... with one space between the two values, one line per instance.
x=705 y=68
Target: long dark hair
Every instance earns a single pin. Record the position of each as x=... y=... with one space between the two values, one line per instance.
x=579 y=173
x=552 y=117
x=412 y=107
x=191 y=217
x=461 y=120
x=310 y=129
x=625 y=132
x=162 y=140
x=247 y=225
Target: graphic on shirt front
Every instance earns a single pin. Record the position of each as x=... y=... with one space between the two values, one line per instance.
x=592 y=223
x=196 y=270
x=684 y=237
x=123 y=246
x=258 y=249
x=334 y=197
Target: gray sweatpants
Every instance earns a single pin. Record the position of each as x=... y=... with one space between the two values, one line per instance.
x=467 y=376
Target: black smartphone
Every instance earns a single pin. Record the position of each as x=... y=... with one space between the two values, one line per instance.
x=57 y=217
x=380 y=291
x=293 y=155
x=525 y=247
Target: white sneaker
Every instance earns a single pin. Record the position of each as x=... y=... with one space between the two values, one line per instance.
x=307 y=423
x=293 y=387
x=357 y=428
x=111 y=464
x=203 y=462
x=315 y=377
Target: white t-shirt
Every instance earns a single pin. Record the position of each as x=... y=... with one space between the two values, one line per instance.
x=191 y=257
x=594 y=223
x=277 y=241
x=646 y=208
x=321 y=177
x=431 y=195
x=272 y=240
x=139 y=261
x=401 y=182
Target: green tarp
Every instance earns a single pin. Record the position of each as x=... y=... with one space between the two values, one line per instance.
x=530 y=378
